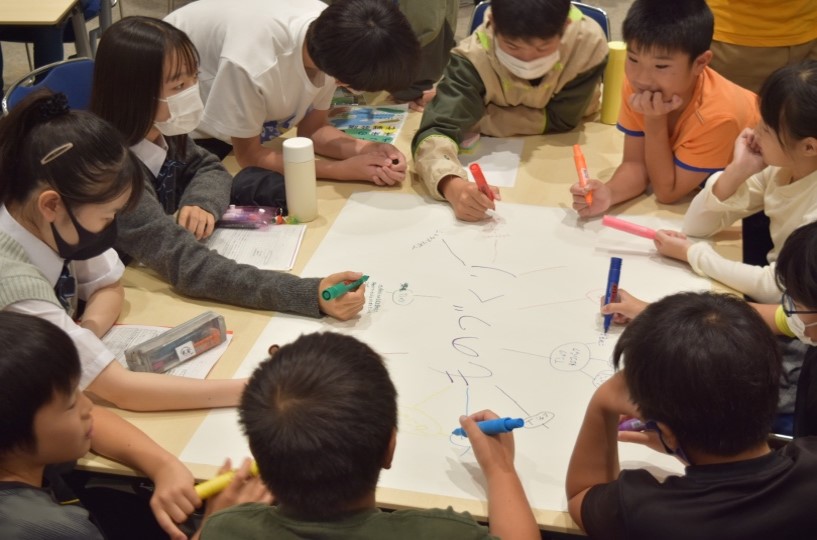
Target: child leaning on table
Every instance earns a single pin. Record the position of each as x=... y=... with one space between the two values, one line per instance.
x=146 y=85
x=64 y=177
x=774 y=170
x=321 y=419
x=46 y=420
x=532 y=67
x=679 y=117
x=701 y=370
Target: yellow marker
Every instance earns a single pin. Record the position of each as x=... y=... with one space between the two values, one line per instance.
x=211 y=487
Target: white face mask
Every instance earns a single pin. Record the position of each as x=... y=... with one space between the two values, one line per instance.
x=527 y=70
x=186 y=109
x=798 y=328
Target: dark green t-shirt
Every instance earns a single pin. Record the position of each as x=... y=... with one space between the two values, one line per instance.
x=249 y=521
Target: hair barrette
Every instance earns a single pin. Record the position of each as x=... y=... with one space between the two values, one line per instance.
x=55 y=153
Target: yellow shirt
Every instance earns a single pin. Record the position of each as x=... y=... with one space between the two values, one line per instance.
x=764 y=23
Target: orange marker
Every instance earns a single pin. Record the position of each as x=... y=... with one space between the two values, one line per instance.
x=480 y=179
x=581 y=169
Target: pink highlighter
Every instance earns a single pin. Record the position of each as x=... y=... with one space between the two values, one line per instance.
x=628 y=227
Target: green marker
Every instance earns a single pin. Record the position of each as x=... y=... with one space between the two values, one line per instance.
x=339 y=289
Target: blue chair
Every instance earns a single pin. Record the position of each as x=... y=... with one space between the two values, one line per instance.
x=597 y=14
x=73 y=77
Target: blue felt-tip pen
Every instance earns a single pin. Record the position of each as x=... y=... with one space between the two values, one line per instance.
x=494 y=427
x=611 y=292
x=339 y=289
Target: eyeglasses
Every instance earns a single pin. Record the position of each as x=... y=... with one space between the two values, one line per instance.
x=790 y=309
x=652 y=425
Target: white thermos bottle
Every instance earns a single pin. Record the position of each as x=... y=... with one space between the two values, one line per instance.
x=299 y=178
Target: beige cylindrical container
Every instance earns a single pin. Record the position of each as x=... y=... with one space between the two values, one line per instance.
x=613 y=81
x=299 y=178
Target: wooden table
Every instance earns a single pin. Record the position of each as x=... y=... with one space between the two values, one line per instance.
x=48 y=13
x=546 y=172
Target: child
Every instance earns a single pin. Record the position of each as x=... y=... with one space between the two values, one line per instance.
x=701 y=370
x=533 y=67
x=145 y=69
x=678 y=116
x=434 y=23
x=268 y=65
x=64 y=176
x=774 y=170
x=297 y=412
x=46 y=420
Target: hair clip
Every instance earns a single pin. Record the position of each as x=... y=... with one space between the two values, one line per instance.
x=57 y=152
x=54 y=106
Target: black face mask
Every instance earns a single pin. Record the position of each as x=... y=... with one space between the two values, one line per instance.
x=90 y=244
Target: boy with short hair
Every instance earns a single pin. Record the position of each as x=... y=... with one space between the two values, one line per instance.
x=701 y=370
x=680 y=118
x=45 y=420
x=321 y=419
x=268 y=65
x=532 y=67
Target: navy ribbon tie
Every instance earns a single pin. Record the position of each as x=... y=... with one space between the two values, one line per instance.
x=66 y=288
x=165 y=184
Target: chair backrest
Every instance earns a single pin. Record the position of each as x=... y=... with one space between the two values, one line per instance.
x=597 y=14
x=478 y=15
x=73 y=78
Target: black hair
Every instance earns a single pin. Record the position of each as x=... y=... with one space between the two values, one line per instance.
x=37 y=362
x=678 y=26
x=529 y=19
x=706 y=365
x=796 y=266
x=366 y=44
x=129 y=74
x=319 y=415
x=76 y=153
x=788 y=102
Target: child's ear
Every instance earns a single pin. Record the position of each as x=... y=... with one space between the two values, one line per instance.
x=669 y=436
x=701 y=62
x=47 y=203
x=387 y=459
x=809 y=146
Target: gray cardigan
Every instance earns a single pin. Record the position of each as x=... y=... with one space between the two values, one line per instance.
x=154 y=238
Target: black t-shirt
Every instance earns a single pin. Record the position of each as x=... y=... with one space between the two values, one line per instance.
x=770 y=497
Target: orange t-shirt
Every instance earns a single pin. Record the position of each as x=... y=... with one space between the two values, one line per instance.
x=704 y=135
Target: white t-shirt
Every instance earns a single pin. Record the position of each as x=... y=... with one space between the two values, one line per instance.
x=252 y=75
x=788 y=205
x=90 y=275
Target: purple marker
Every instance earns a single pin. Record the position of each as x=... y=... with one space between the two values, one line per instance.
x=633 y=424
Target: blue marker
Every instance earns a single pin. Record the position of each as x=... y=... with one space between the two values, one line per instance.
x=633 y=424
x=494 y=427
x=612 y=288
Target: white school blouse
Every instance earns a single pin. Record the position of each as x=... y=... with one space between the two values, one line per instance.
x=252 y=76
x=788 y=205
x=90 y=275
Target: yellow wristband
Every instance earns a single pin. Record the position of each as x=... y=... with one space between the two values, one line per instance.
x=781 y=322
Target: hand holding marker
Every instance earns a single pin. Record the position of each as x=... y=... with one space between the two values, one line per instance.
x=581 y=169
x=479 y=178
x=494 y=427
x=211 y=487
x=339 y=289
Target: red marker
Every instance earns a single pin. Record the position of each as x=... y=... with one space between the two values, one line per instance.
x=480 y=180
x=581 y=169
